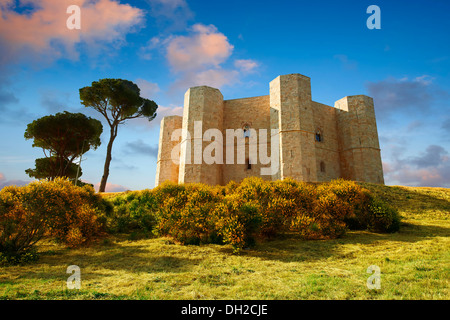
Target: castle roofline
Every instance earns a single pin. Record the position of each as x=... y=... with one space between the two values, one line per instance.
x=264 y=95
x=204 y=86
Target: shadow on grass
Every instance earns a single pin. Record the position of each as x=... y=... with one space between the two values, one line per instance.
x=291 y=248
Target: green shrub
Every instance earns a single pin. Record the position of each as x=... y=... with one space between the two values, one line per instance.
x=133 y=212
x=373 y=214
x=22 y=257
x=382 y=218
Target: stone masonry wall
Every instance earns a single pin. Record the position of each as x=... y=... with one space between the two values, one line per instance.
x=360 y=157
x=290 y=95
x=327 y=150
x=167 y=161
x=201 y=104
x=254 y=112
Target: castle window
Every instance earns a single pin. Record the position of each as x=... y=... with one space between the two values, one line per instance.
x=322 y=166
x=246 y=131
x=318 y=136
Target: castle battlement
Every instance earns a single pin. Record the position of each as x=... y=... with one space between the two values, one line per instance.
x=314 y=142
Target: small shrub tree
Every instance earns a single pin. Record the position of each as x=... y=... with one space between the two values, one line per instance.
x=20 y=228
x=73 y=215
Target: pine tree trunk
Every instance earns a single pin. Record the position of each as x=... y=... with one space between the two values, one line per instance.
x=108 y=159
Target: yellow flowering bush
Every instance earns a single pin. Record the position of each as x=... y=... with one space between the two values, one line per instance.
x=185 y=212
x=254 y=209
x=71 y=214
x=20 y=228
x=238 y=221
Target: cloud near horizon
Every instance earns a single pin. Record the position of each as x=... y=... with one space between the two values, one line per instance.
x=4 y=182
x=446 y=125
x=429 y=169
x=111 y=187
x=42 y=30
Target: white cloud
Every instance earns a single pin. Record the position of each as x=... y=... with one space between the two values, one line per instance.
x=204 y=47
x=162 y=111
x=145 y=52
x=148 y=89
x=199 y=58
x=215 y=78
x=246 y=65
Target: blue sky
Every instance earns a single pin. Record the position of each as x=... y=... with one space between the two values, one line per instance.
x=166 y=46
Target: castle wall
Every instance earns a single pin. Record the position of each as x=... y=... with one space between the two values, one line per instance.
x=290 y=95
x=326 y=150
x=358 y=139
x=201 y=104
x=255 y=112
x=275 y=134
x=166 y=165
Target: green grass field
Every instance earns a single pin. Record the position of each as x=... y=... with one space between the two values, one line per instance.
x=414 y=263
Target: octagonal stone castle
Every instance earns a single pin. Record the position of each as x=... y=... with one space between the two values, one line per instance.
x=315 y=142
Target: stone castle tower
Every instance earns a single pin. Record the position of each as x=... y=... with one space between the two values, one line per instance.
x=315 y=142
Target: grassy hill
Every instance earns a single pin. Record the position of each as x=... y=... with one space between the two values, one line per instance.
x=414 y=263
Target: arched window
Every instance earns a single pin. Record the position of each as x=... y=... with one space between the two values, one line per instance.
x=322 y=166
x=249 y=164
